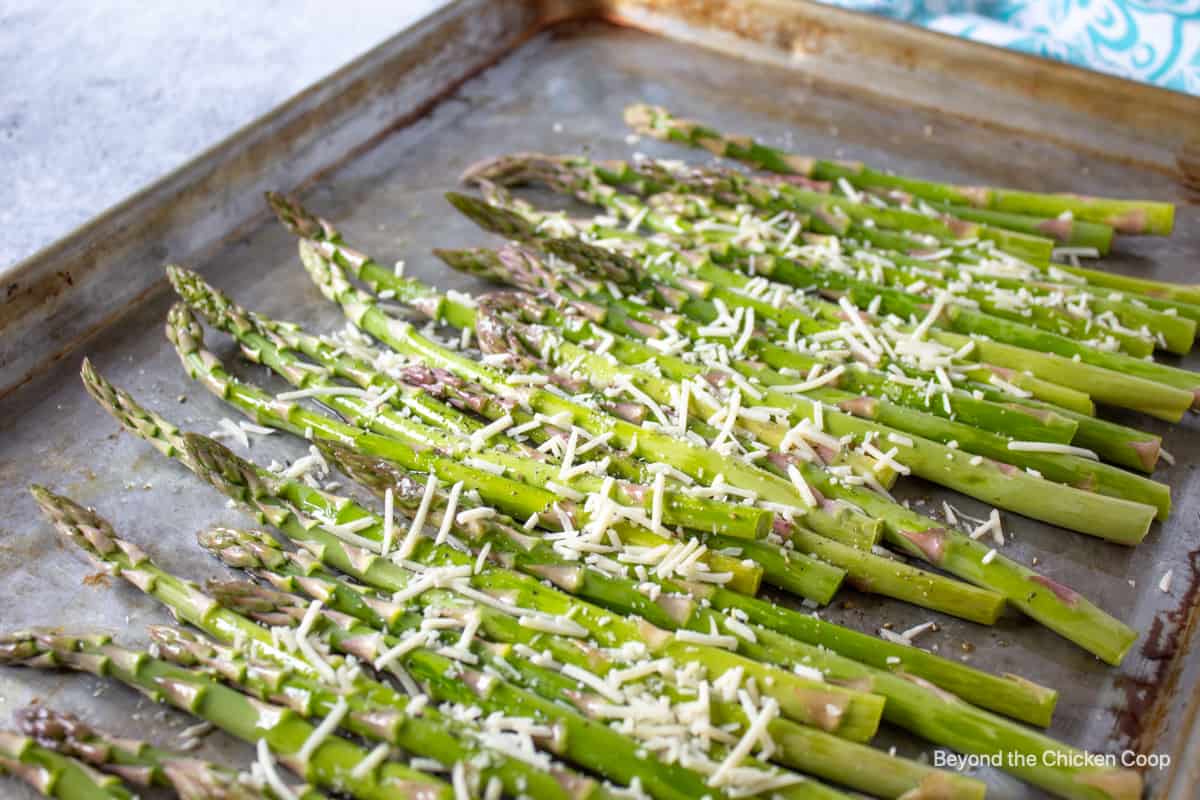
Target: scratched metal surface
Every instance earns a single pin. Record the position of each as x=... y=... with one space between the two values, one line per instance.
x=564 y=91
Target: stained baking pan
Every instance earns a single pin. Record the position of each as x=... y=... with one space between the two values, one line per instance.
x=374 y=147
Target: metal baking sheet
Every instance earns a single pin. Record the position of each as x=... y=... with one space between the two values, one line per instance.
x=383 y=153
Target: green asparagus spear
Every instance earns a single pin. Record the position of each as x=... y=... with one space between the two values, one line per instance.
x=869 y=570
x=1125 y=216
x=54 y=775
x=799 y=747
x=1071 y=470
x=141 y=763
x=279 y=732
x=1058 y=607
x=595 y=748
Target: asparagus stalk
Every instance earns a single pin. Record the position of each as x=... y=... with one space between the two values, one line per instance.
x=283 y=732
x=868 y=570
x=1069 y=232
x=775 y=263
x=942 y=464
x=1071 y=470
x=265 y=347
x=591 y=746
x=54 y=775
x=1058 y=607
x=1118 y=444
x=931 y=712
x=324 y=261
x=141 y=763
x=800 y=747
x=1125 y=216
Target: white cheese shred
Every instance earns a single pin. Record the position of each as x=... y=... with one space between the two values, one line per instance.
x=376 y=757
x=389 y=522
x=310 y=653
x=656 y=505
x=266 y=762
x=418 y=520
x=448 y=515
x=323 y=731
x=1052 y=447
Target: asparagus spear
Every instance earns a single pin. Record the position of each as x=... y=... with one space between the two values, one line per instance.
x=915 y=708
x=1071 y=470
x=1125 y=216
x=154 y=429
x=1176 y=384
x=282 y=732
x=243 y=482
x=141 y=763
x=1069 y=232
x=877 y=573
x=594 y=747
x=1054 y=605
x=586 y=180
x=54 y=775
x=942 y=464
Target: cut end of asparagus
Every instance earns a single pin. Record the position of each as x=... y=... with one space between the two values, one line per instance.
x=1148 y=453
x=641 y=117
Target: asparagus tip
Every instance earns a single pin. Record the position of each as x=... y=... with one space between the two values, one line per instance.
x=297 y=219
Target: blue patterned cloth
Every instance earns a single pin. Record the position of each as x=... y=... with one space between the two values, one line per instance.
x=1153 y=41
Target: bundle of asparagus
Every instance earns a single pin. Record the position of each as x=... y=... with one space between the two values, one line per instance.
x=711 y=386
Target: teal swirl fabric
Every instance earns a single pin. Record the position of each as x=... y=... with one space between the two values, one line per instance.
x=1152 y=41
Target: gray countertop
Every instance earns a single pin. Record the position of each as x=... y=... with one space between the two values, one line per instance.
x=97 y=100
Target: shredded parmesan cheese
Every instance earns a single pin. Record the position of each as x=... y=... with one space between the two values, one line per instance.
x=266 y=763
x=418 y=520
